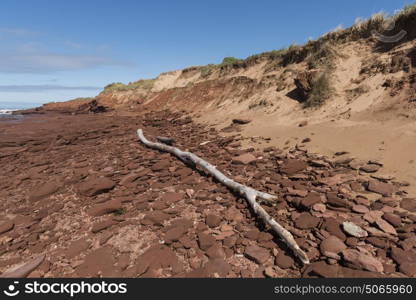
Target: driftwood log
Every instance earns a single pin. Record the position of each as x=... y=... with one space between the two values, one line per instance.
x=249 y=193
x=23 y=270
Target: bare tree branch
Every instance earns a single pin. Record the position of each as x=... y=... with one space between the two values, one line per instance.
x=249 y=193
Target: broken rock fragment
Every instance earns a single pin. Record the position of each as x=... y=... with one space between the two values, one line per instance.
x=104 y=208
x=332 y=244
x=381 y=188
x=96 y=186
x=258 y=254
x=244 y=159
x=6 y=226
x=358 y=260
x=354 y=230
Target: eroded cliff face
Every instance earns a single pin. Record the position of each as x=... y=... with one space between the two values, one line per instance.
x=362 y=83
x=355 y=93
x=349 y=74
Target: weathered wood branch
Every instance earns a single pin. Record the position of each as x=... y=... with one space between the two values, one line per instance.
x=249 y=193
x=25 y=269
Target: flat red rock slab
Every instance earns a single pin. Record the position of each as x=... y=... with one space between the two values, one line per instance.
x=205 y=241
x=258 y=254
x=174 y=234
x=213 y=220
x=155 y=218
x=382 y=188
x=332 y=244
x=97 y=227
x=76 y=247
x=311 y=199
x=104 y=208
x=100 y=261
x=172 y=197
x=244 y=159
x=360 y=260
x=306 y=221
x=158 y=257
x=217 y=267
x=95 y=186
x=293 y=166
x=43 y=191
x=408 y=204
x=6 y=226
x=216 y=251
x=284 y=261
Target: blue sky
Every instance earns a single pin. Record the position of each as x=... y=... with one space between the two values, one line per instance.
x=54 y=50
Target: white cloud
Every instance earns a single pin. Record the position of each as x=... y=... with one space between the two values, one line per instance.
x=36 y=57
x=16 y=32
x=44 y=87
x=53 y=62
x=74 y=45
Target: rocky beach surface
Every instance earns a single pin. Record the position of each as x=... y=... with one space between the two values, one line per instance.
x=80 y=189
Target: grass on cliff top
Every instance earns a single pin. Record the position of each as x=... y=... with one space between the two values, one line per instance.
x=316 y=53
x=322 y=50
x=146 y=84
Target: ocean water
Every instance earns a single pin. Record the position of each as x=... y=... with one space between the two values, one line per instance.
x=6 y=108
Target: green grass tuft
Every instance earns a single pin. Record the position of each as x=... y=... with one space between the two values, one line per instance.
x=146 y=84
x=321 y=91
x=207 y=70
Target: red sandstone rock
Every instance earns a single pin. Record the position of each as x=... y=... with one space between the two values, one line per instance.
x=213 y=220
x=293 y=166
x=258 y=254
x=382 y=188
x=362 y=261
x=43 y=191
x=6 y=226
x=284 y=261
x=95 y=186
x=306 y=221
x=101 y=261
x=97 y=227
x=332 y=244
x=409 y=204
x=104 y=208
x=205 y=241
x=244 y=159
